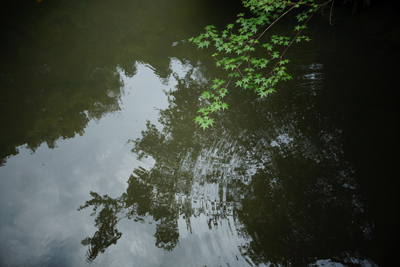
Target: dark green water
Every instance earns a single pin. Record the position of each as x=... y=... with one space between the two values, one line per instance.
x=97 y=104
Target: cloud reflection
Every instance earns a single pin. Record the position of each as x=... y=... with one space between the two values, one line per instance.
x=283 y=189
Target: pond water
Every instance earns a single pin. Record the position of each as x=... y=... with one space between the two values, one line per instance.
x=103 y=165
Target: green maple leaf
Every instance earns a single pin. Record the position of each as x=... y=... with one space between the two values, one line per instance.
x=206 y=95
x=239 y=51
x=209 y=27
x=204 y=125
x=210 y=121
x=262 y=94
x=198 y=119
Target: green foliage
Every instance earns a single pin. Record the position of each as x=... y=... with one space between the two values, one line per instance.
x=236 y=46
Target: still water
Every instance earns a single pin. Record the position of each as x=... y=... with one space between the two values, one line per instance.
x=102 y=164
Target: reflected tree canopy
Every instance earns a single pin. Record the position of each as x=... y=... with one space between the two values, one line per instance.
x=61 y=60
x=275 y=165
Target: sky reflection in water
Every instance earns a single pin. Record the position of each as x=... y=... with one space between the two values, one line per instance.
x=285 y=180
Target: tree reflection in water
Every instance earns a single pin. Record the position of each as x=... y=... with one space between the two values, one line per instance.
x=274 y=165
x=52 y=79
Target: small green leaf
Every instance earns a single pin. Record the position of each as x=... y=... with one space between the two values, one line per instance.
x=263 y=93
x=210 y=121
x=198 y=119
x=224 y=106
x=204 y=125
x=206 y=95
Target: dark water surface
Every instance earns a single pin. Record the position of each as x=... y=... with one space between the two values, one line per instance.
x=102 y=164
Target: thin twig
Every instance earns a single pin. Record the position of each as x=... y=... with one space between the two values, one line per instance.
x=239 y=71
x=271 y=25
x=304 y=24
